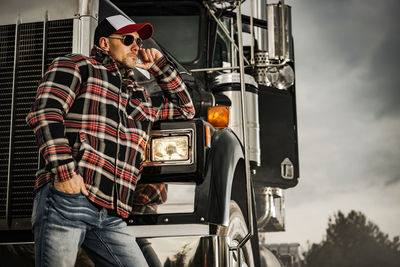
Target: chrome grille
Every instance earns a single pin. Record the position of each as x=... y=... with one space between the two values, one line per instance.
x=19 y=168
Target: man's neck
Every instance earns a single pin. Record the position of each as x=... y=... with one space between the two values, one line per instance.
x=121 y=68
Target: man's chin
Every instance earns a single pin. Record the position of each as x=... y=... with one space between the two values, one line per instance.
x=129 y=64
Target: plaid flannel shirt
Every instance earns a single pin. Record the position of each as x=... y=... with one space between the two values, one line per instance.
x=89 y=120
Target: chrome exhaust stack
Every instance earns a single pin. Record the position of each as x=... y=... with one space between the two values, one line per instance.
x=272 y=64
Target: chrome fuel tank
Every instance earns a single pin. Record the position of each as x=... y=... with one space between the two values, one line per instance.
x=229 y=85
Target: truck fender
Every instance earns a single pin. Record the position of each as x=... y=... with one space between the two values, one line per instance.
x=226 y=151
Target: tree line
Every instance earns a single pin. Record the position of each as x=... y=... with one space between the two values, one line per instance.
x=353 y=241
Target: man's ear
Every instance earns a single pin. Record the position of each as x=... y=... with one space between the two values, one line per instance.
x=104 y=44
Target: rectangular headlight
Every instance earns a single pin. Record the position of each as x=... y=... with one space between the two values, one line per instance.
x=170 y=147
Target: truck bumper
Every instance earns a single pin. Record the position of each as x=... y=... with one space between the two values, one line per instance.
x=183 y=251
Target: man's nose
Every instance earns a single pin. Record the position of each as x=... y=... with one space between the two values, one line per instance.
x=134 y=47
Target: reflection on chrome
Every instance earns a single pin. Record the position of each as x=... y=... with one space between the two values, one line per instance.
x=192 y=251
x=164 y=198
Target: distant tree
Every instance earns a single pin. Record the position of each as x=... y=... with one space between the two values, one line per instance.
x=179 y=258
x=352 y=241
x=168 y=263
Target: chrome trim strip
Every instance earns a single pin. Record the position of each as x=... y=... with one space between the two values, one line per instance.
x=174 y=230
x=233 y=51
x=233 y=78
x=16 y=243
x=10 y=147
x=252 y=60
x=215 y=69
x=282 y=4
x=44 y=47
x=44 y=52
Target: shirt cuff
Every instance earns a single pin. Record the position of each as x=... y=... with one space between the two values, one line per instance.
x=156 y=68
x=65 y=172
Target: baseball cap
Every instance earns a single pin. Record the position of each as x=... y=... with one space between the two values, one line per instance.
x=120 y=24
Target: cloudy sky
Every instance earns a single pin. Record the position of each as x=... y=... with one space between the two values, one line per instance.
x=348 y=97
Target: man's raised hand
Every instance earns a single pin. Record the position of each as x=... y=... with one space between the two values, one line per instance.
x=148 y=57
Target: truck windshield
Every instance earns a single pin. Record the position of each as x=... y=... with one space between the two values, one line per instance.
x=178 y=34
x=176 y=24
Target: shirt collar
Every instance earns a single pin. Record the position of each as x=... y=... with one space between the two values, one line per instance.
x=101 y=56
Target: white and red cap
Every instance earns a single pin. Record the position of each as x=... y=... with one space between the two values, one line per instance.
x=119 y=24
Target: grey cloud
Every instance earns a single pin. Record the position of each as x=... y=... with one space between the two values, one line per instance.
x=393 y=181
x=384 y=75
x=347 y=51
x=361 y=34
x=383 y=160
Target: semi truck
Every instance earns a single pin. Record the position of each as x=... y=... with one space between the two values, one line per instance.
x=223 y=174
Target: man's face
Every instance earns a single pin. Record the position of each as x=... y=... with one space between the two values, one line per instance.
x=126 y=55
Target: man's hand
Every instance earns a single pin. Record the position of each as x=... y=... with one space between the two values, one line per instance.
x=148 y=57
x=72 y=186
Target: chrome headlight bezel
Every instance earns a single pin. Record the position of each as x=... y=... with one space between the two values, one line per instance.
x=156 y=134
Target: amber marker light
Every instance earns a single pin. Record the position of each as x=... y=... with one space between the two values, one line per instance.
x=218 y=116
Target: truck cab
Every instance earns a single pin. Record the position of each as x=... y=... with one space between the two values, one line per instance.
x=222 y=175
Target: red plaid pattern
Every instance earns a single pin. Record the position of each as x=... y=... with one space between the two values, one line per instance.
x=89 y=120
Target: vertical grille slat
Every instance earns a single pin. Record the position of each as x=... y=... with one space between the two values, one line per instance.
x=24 y=154
x=7 y=46
x=60 y=37
x=29 y=48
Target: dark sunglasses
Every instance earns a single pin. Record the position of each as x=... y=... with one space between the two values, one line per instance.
x=129 y=39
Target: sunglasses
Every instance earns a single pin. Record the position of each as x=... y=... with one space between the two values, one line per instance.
x=129 y=39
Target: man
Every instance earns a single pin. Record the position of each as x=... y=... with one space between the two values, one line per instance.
x=92 y=121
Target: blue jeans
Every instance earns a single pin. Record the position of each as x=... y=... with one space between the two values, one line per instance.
x=63 y=222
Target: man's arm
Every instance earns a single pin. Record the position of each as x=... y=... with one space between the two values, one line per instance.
x=54 y=98
x=177 y=102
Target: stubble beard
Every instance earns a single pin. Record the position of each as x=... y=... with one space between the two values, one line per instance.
x=128 y=63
